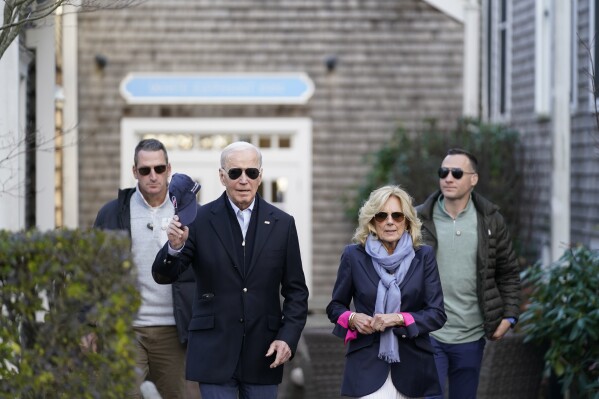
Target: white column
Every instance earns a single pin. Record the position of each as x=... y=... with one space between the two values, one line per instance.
x=560 y=179
x=41 y=39
x=70 y=162
x=543 y=65
x=471 y=69
x=12 y=172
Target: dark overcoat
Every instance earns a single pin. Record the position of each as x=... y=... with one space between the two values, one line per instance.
x=242 y=305
x=421 y=295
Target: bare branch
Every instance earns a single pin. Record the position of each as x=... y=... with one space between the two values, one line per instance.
x=17 y=14
x=12 y=147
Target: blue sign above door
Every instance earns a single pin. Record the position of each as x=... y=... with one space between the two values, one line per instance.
x=173 y=88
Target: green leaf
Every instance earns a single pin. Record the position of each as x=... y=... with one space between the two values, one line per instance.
x=74 y=269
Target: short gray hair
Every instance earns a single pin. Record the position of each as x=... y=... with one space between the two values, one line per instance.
x=238 y=146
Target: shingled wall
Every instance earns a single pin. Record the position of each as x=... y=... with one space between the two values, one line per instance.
x=538 y=140
x=398 y=62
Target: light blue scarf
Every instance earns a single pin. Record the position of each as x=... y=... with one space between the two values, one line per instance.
x=392 y=270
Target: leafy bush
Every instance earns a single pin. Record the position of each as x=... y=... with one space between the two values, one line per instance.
x=411 y=159
x=46 y=280
x=563 y=312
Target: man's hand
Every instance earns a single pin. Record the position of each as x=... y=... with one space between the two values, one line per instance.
x=503 y=328
x=177 y=234
x=283 y=353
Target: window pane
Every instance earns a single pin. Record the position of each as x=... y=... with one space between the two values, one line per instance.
x=502 y=76
x=279 y=189
x=284 y=142
x=264 y=142
x=489 y=58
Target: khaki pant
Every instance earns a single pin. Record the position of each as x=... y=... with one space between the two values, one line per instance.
x=160 y=358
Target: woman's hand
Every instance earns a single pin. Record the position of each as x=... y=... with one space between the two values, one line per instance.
x=382 y=321
x=362 y=323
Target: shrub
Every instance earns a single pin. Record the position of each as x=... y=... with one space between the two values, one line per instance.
x=563 y=312
x=46 y=281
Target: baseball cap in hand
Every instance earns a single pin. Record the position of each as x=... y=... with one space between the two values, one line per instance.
x=182 y=191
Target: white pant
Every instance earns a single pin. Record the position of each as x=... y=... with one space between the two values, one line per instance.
x=387 y=391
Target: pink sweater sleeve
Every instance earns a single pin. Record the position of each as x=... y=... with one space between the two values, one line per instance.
x=407 y=318
x=343 y=321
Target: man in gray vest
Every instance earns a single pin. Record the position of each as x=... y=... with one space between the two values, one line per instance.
x=161 y=322
x=478 y=268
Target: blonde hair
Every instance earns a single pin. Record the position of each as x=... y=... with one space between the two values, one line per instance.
x=373 y=205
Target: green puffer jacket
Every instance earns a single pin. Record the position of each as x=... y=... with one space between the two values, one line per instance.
x=498 y=272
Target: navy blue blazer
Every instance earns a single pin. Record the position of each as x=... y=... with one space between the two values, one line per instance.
x=421 y=295
x=237 y=315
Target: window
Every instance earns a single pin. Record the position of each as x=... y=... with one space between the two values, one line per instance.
x=488 y=70
x=502 y=29
x=594 y=50
x=497 y=70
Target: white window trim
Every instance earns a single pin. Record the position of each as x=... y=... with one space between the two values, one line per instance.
x=508 y=62
x=591 y=44
x=543 y=14
x=496 y=115
x=486 y=79
x=543 y=65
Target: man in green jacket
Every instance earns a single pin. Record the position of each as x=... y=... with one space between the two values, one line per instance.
x=478 y=268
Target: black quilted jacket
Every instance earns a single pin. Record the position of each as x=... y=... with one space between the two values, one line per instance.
x=498 y=272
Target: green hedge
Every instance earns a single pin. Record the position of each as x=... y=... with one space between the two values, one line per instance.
x=46 y=280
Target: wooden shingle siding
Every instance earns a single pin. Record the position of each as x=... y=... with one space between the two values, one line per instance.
x=537 y=136
x=585 y=142
x=398 y=62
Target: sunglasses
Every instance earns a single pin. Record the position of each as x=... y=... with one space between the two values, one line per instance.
x=455 y=172
x=146 y=170
x=235 y=173
x=382 y=216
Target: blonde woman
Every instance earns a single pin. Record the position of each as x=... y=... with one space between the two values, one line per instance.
x=393 y=282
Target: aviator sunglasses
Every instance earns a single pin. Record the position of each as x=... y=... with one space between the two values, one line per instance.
x=146 y=170
x=396 y=216
x=455 y=172
x=235 y=173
